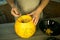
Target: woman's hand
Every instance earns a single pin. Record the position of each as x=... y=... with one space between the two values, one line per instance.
x=15 y=12
x=36 y=16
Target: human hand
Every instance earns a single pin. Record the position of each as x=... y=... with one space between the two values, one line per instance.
x=15 y=12
x=35 y=15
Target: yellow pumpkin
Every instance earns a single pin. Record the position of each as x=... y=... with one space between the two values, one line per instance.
x=24 y=27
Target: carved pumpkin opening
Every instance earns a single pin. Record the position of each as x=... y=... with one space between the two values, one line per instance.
x=25 y=19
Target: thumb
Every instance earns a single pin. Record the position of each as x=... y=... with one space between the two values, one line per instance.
x=31 y=14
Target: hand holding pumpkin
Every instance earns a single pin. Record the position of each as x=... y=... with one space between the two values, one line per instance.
x=15 y=12
x=36 y=16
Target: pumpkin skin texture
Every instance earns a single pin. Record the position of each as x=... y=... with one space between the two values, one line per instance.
x=25 y=29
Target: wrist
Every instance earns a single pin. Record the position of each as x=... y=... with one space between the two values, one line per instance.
x=13 y=5
x=38 y=11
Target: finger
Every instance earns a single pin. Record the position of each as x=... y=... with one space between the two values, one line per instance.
x=31 y=14
x=13 y=13
x=36 y=21
x=16 y=11
x=33 y=20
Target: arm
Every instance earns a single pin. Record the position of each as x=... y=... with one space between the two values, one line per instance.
x=42 y=5
x=37 y=12
x=14 y=10
x=11 y=3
